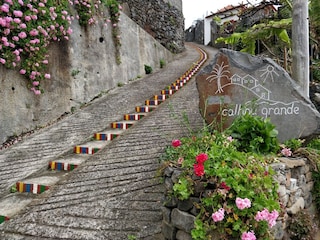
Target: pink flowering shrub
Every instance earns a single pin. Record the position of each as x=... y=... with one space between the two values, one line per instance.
x=27 y=27
x=240 y=199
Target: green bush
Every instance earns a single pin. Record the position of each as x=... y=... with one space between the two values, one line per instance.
x=254 y=134
x=147 y=69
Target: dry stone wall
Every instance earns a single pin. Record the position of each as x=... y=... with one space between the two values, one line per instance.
x=294 y=176
x=161 y=19
x=81 y=69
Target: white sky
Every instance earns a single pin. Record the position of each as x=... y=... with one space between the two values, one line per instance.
x=193 y=10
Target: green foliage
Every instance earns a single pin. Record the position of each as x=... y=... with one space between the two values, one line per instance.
x=315 y=144
x=315 y=71
x=183 y=188
x=162 y=63
x=263 y=31
x=301 y=226
x=293 y=144
x=254 y=134
x=147 y=69
x=228 y=174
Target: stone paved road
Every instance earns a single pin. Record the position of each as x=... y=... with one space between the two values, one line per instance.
x=114 y=194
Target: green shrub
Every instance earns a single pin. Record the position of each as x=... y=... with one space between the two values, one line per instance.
x=147 y=69
x=254 y=134
x=162 y=63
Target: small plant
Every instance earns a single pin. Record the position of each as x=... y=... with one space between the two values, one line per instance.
x=75 y=72
x=132 y=237
x=162 y=63
x=254 y=134
x=293 y=144
x=301 y=226
x=120 y=84
x=147 y=69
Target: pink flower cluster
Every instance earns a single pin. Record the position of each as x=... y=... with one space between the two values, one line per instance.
x=248 y=236
x=26 y=29
x=199 y=166
x=243 y=203
x=218 y=215
x=286 y=152
x=265 y=215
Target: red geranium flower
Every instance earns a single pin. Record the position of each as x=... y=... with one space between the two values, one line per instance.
x=225 y=186
x=198 y=169
x=176 y=143
x=201 y=158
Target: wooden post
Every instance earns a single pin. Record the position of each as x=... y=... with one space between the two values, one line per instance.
x=300 y=45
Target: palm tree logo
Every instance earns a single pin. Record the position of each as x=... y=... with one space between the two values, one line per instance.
x=219 y=72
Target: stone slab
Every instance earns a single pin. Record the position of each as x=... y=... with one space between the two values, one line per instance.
x=237 y=83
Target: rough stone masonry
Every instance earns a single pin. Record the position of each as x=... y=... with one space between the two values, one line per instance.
x=236 y=83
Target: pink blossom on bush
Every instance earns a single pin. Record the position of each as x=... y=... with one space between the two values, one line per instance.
x=201 y=158
x=243 y=203
x=47 y=76
x=22 y=35
x=23 y=71
x=17 y=13
x=265 y=215
x=27 y=18
x=218 y=215
x=5 y=8
x=3 y=61
x=35 y=83
x=176 y=143
x=286 y=152
x=23 y=26
x=248 y=236
x=34 y=32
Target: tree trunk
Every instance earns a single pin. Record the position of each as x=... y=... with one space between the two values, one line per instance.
x=300 y=45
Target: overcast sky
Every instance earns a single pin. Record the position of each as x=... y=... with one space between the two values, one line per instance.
x=198 y=9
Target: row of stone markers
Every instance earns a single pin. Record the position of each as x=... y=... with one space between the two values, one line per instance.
x=13 y=203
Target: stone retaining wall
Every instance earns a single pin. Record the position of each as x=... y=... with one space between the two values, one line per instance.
x=294 y=176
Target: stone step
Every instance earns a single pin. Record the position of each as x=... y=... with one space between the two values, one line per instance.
x=108 y=135
x=134 y=116
x=168 y=91
x=68 y=162
x=12 y=204
x=152 y=102
x=125 y=124
x=161 y=97
x=38 y=184
x=90 y=147
x=145 y=109
x=173 y=86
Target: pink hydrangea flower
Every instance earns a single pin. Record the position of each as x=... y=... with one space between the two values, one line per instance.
x=243 y=203
x=218 y=215
x=248 y=236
